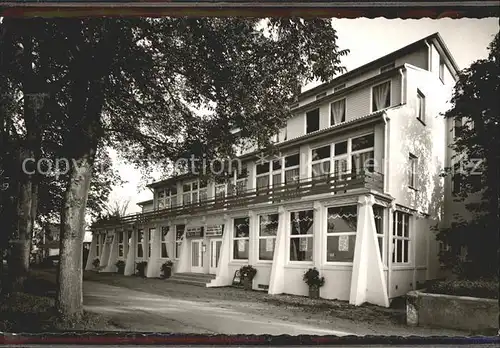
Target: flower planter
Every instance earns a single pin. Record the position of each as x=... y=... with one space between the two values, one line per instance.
x=314 y=292
x=167 y=273
x=247 y=284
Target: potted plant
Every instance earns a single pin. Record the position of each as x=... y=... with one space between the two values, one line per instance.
x=166 y=269
x=314 y=281
x=247 y=273
x=141 y=268
x=120 y=265
x=96 y=263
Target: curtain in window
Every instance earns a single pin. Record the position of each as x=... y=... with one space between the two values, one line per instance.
x=292 y=176
x=338 y=112
x=380 y=95
x=362 y=161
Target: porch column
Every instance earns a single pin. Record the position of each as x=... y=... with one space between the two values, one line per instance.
x=125 y=242
x=368 y=282
x=92 y=252
x=223 y=278
x=103 y=260
x=277 y=281
x=130 y=261
x=153 y=270
x=113 y=252
x=319 y=224
x=253 y=242
x=390 y=245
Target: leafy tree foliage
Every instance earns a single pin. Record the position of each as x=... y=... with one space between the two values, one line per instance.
x=476 y=115
x=158 y=89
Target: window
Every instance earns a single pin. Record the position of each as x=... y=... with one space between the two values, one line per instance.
x=401 y=238
x=241 y=181
x=362 y=153
x=381 y=96
x=167 y=198
x=292 y=168
x=312 y=121
x=457 y=178
x=378 y=215
x=337 y=112
x=441 y=69
x=268 y=174
x=98 y=245
x=342 y=224
x=268 y=228
x=220 y=191
x=241 y=238
x=321 y=161
x=387 y=67
x=301 y=236
x=179 y=232
x=340 y=159
x=164 y=233
x=140 y=240
x=120 y=244
x=194 y=192
x=420 y=106
x=412 y=171
x=457 y=128
x=151 y=233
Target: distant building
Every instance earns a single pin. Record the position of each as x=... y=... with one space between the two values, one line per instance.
x=354 y=192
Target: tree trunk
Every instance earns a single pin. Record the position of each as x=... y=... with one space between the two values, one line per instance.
x=69 y=300
x=18 y=266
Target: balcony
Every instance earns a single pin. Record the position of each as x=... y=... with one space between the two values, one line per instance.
x=330 y=183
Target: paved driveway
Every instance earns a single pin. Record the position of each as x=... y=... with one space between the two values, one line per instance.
x=190 y=309
x=140 y=311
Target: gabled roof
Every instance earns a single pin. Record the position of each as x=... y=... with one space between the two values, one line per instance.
x=435 y=38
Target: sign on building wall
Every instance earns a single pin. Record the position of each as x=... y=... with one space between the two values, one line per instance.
x=269 y=244
x=214 y=230
x=193 y=232
x=343 y=243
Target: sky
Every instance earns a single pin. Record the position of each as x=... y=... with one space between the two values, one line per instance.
x=367 y=40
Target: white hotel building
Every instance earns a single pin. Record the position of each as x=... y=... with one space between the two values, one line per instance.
x=365 y=225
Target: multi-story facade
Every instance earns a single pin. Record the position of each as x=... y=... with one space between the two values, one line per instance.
x=354 y=192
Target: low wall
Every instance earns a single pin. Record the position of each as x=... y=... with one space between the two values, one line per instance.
x=451 y=312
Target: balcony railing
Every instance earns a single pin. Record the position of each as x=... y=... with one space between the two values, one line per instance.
x=330 y=183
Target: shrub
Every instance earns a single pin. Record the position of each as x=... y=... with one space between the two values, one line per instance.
x=96 y=262
x=311 y=277
x=478 y=288
x=248 y=272
x=141 y=268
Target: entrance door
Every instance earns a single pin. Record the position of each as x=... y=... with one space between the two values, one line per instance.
x=215 y=245
x=196 y=256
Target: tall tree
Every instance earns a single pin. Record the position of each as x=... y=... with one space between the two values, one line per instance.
x=137 y=84
x=476 y=115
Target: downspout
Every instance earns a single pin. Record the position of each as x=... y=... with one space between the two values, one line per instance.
x=403 y=84
x=429 y=56
x=386 y=153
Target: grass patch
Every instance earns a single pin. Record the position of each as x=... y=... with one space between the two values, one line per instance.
x=34 y=311
x=472 y=288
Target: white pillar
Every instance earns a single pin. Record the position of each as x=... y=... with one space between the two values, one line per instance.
x=103 y=260
x=318 y=235
x=253 y=240
x=130 y=261
x=92 y=252
x=223 y=278
x=113 y=253
x=390 y=248
x=153 y=270
x=277 y=280
x=183 y=265
x=368 y=282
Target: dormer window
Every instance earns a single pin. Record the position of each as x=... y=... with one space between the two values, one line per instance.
x=387 y=67
x=441 y=69
x=312 y=121
x=321 y=95
x=381 y=96
x=338 y=88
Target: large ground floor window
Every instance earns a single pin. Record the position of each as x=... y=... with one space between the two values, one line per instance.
x=121 y=239
x=342 y=223
x=179 y=232
x=268 y=228
x=139 y=246
x=241 y=236
x=164 y=233
x=401 y=238
x=301 y=235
